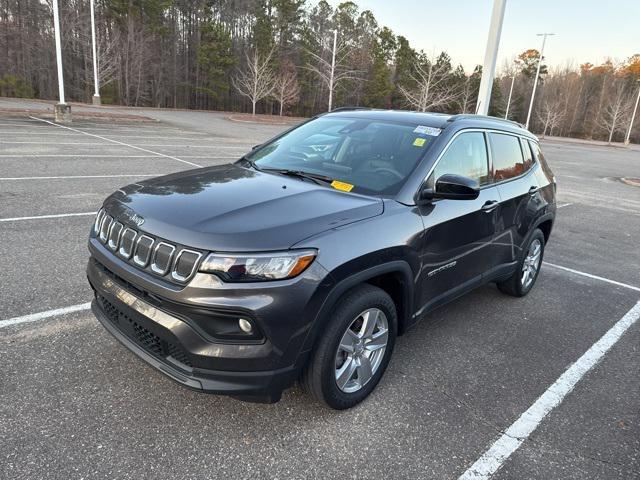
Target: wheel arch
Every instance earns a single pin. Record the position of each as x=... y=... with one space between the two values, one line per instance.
x=394 y=277
x=545 y=223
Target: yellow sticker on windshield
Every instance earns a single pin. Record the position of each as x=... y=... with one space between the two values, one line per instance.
x=345 y=187
x=419 y=142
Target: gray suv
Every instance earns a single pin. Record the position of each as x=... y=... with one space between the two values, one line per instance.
x=306 y=258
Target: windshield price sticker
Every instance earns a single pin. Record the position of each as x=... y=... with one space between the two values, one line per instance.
x=423 y=129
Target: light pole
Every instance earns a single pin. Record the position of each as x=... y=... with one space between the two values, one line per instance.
x=535 y=82
x=96 y=95
x=633 y=117
x=490 y=57
x=61 y=111
x=513 y=80
x=333 y=68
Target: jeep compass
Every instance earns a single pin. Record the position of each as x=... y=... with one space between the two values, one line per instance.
x=305 y=259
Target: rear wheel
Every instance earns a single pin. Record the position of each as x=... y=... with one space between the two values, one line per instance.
x=354 y=350
x=528 y=268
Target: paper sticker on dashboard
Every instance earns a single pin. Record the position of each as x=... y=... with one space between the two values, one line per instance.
x=423 y=129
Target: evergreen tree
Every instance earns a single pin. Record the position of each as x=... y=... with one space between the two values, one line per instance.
x=215 y=58
x=405 y=61
x=380 y=86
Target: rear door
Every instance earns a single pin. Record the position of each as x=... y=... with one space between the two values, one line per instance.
x=518 y=186
x=458 y=233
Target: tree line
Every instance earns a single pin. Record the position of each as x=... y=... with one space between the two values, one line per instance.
x=284 y=57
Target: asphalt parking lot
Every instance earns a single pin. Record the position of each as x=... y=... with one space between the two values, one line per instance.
x=76 y=404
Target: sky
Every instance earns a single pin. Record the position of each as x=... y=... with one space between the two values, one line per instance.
x=585 y=30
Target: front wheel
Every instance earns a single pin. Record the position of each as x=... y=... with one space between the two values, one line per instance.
x=354 y=350
x=528 y=267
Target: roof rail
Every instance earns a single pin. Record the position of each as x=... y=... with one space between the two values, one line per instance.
x=464 y=116
x=344 y=109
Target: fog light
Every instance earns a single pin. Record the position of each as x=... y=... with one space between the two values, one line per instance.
x=245 y=325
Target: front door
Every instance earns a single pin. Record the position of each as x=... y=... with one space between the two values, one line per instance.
x=458 y=240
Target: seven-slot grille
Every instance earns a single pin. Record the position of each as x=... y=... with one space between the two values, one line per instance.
x=159 y=257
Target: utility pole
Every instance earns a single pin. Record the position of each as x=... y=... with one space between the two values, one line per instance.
x=96 y=95
x=333 y=68
x=61 y=111
x=513 y=80
x=490 y=57
x=633 y=117
x=535 y=82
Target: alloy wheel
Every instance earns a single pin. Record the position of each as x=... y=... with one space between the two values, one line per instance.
x=531 y=263
x=361 y=350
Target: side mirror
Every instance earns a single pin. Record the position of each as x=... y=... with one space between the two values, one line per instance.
x=452 y=187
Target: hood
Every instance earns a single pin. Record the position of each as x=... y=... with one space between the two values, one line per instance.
x=231 y=208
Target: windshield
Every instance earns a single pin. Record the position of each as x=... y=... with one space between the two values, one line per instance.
x=358 y=155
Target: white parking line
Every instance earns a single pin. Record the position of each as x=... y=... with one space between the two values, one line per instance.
x=73 y=155
x=42 y=217
x=520 y=430
x=595 y=277
x=93 y=144
x=116 y=141
x=71 y=177
x=77 y=133
x=34 y=317
x=90 y=155
x=564 y=205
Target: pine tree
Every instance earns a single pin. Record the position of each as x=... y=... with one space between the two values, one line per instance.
x=215 y=57
x=380 y=86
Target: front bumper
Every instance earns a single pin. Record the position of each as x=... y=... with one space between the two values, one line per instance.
x=159 y=339
x=153 y=321
x=262 y=386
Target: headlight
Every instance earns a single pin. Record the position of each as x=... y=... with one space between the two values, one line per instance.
x=258 y=267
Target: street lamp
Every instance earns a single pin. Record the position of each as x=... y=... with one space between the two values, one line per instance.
x=490 y=57
x=513 y=80
x=96 y=95
x=535 y=82
x=333 y=68
x=61 y=111
x=633 y=117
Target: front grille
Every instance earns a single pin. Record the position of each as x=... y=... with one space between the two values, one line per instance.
x=151 y=254
x=144 y=337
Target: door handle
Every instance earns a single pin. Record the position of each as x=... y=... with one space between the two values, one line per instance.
x=489 y=205
x=533 y=190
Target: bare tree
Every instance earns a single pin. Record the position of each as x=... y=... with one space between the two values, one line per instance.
x=467 y=95
x=287 y=90
x=257 y=80
x=550 y=115
x=433 y=87
x=614 y=118
x=108 y=59
x=332 y=70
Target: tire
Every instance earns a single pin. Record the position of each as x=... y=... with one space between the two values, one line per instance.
x=516 y=285
x=319 y=377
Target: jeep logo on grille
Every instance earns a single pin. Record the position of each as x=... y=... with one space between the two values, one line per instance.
x=135 y=218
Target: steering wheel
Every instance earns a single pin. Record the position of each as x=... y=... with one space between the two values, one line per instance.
x=390 y=171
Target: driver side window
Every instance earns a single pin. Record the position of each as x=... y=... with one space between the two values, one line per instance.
x=466 y=156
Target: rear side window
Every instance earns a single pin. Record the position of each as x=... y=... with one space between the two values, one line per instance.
x=536 y=149
x=526 y=151
x=466 y=156
x=507 y=156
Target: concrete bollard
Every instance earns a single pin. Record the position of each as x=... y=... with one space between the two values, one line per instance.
x=62 y=113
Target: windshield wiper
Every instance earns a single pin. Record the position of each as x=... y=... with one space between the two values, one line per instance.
x=315 y=177
x=251 y=163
